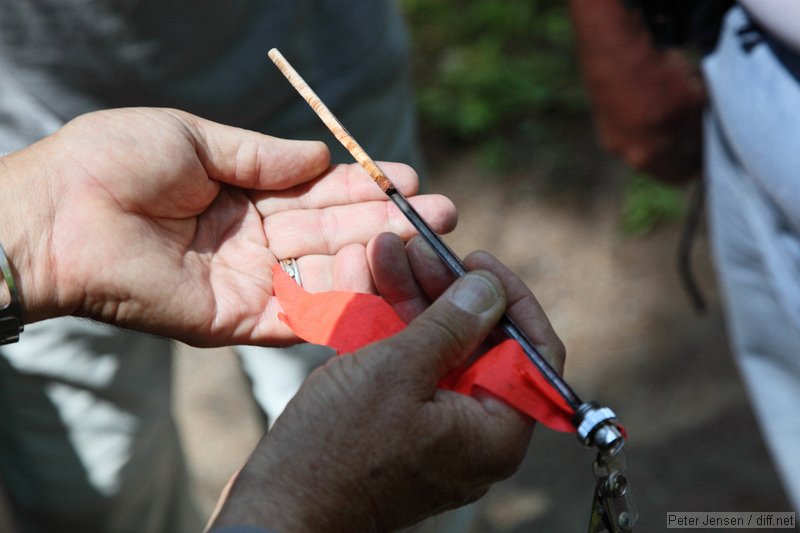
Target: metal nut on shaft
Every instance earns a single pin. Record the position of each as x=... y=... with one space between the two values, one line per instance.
x=596 y=426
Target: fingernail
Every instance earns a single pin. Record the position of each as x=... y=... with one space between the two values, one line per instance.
x=473 y=293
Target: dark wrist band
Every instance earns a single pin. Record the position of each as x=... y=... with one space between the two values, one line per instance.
x=11 y=316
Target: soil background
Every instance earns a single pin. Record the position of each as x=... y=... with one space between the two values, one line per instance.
x=633 y=340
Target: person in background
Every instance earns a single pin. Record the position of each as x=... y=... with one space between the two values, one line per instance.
x=647 y=101
x=97 y=443
x=158 y=220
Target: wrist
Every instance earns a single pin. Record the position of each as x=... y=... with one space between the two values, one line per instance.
x=25 y=232
x=286 y=494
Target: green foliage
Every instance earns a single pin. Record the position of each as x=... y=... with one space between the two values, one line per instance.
x=501 y=77
x=648 y=203
x=485 y=68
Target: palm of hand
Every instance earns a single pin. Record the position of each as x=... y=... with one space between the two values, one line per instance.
x=159 y=225
x=187 y=217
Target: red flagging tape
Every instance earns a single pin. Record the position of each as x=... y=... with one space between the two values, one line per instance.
x=347 y=321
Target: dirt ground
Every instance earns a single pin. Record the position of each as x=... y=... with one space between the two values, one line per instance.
x=634 y=343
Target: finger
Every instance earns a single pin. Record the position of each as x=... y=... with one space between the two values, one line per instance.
x=342 y=185
x=523 y=308
x=326 y=231
x=351 y=271
x=446 y=334
x=432 y=274
x=500 y=433
x=252 y=160
x=394 y=280
x=345 y=271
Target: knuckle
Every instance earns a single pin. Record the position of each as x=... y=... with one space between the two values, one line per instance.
x=329 y=225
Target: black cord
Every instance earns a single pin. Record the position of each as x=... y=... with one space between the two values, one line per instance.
x=686 y=244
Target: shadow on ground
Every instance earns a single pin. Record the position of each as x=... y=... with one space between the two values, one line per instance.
x=694 y=445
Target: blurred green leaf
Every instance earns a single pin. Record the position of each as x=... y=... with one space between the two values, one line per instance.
x=648 y=203
x=484 y=68
x=501 y=77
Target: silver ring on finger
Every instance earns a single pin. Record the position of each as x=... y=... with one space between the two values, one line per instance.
x=290 y=267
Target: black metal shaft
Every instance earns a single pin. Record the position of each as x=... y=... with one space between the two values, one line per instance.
x=509 y=327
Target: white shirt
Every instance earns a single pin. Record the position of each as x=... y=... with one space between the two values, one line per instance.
x=781 y=18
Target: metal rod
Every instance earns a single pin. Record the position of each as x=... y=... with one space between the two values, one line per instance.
x=444 y=252
x=431 y=237
x=455 y=264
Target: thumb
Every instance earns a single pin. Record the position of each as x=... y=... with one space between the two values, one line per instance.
x=251 y=160
x=453 y=327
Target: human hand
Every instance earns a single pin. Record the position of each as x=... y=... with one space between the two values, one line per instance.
x=647 y=102
x=157 y=220
x=370 y=443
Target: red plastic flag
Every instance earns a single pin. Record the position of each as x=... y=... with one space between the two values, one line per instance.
x=347 y=321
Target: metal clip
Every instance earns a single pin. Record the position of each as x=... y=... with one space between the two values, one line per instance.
x=613 y=510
